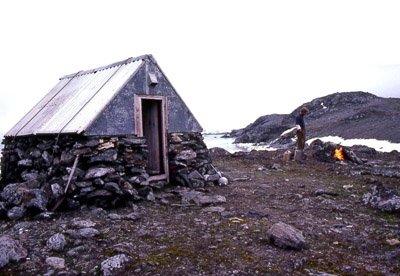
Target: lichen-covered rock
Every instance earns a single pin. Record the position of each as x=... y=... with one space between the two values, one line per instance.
x=286 y=236
x=115 y=265
x=56 y=242
x=383 y=199
x=10 y=250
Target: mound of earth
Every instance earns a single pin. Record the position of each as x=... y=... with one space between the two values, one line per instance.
x=351 y=115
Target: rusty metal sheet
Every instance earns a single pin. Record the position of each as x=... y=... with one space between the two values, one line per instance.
x=76 y=100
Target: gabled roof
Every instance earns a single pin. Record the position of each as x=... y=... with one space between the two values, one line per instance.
x=74 y=103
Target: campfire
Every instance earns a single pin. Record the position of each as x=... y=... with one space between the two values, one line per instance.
x=331 y=153
x=338 y=154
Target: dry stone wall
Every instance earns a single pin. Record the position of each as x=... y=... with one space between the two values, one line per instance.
x=110 y=171
x=190 y=162
x=35 y=171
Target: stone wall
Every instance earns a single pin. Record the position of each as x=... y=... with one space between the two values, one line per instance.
x=35 y=171
x=110 y=171
x=189 y=161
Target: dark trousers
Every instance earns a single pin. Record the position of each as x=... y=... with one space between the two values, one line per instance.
x=301 y=139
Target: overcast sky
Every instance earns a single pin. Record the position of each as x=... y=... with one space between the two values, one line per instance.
x=231 y=61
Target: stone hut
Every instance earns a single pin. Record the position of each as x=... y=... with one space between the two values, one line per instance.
x=106 y=136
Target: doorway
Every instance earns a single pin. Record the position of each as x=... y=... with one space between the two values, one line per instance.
x=151 y=123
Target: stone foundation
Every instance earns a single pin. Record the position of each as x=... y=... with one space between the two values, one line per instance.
x=110 y=171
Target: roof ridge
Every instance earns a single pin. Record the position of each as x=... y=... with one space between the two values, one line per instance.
x=90 y=71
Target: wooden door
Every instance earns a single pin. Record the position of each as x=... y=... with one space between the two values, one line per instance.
x=152 y=131
x=151 y=122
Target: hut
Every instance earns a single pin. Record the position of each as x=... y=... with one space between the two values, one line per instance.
x=106 y=136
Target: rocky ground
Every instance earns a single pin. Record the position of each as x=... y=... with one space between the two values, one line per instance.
x=321 y=206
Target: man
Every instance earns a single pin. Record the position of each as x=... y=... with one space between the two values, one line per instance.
x=301 y=128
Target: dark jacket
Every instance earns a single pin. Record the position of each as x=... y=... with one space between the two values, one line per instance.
x=300 y=121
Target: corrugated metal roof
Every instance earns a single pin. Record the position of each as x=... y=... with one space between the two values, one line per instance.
x=73 y=104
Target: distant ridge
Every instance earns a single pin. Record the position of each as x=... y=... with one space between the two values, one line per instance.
x=349 y=115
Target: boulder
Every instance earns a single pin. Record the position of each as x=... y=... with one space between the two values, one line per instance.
x=10 y=250
x=115 y=265
x=56 y=242
x=286 y=236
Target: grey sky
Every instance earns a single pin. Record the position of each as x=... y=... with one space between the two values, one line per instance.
x=231 y=61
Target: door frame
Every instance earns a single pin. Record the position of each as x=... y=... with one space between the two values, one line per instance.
x=164 y=129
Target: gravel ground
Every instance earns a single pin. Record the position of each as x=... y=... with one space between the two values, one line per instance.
x=177 y=237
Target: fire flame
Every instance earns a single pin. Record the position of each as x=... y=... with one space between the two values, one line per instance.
x=339 y=154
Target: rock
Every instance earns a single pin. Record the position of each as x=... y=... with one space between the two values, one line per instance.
x=322 y=192
x=98 y=172
x=84 y=184
x=115 y=265
x=286 y=236
x=132 y=216
x=75 y=252
x=82 y=224
x=112 y=187
x=213 y=177
x=16 y=213
x=58 y=263
x=39 y=202
x=186 y=155
x=88 y=232
x=104 y=157
x=57 y=190
x=150 y=196
x=114 y=216
x=195 y=175
x=219 y=152
x=98 y=182
x=207 y=200
x=67 y=159
x=12 y=194
x=10 y=250
x=25 y=163
x=99 y=193
x=56 y=242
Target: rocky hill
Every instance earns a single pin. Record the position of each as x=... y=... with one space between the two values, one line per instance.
x=347 y=114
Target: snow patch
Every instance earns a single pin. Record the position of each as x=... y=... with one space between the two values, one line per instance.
x=287 y=131
x=379 y=145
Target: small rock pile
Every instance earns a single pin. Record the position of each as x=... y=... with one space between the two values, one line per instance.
x=383 y=199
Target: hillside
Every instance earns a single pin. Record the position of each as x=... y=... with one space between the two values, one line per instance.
x=347 y=114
